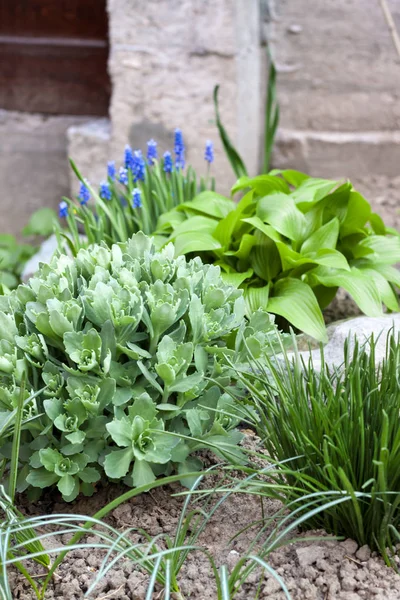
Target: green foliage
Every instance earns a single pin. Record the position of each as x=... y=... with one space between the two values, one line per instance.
x=271 y=126
x=120 y=345
x=271 y=115
x=334 y=433
x=290 y=242
x=14 y=255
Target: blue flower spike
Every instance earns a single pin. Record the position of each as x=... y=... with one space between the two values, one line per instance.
x=123 y=176
x=84 y=194
x=179 y=147
x=63 y=210
x=168 y=165
x=136 y=198
x=128 y=158
x=138 y=166
x=105 y=191
x=152 y=153
x=209 y=152
x=111 y=171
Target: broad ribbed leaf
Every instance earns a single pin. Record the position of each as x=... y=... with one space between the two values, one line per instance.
x=224 y=229
x=280 y=211
x=363 y=289
x=209 y=203
x=262 y=185
x=390 y=273
x=194 y=225
x=330 y=258
x=295 y=178
x=264 y=257
x=255 y=298
x=325 y=237
x=295 y=301
x=246 y=244
x=170 y=220
x=236 y=279
x=266 y=229
x=311 y=191
x=358 y=214
x=201 y=242
x=386 y=292
x=378 y=248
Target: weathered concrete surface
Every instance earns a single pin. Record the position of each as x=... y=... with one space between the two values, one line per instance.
x=338 y=86
x=165 y=66
x=33 y=165
x=339 y=154
x=88 y=146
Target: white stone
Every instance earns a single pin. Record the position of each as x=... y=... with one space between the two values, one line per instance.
x=361 y=328
x=44 y=255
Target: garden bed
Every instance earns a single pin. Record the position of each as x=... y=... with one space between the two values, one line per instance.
x=321 y=569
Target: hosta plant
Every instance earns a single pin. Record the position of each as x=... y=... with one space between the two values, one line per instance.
x=290 y=243
x=129 y=347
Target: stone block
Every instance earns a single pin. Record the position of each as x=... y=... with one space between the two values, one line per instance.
x=33 y=165
x=88 y=146
x=348 y=155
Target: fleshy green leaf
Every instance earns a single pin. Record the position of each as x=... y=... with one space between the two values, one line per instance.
x=142 y=473
x=66 y=485
x=41 y=478
x=117 y=463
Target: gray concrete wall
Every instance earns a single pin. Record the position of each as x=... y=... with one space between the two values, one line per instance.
x=33 y=165
x=166 y=56
x=339 y=91
x=339 y=87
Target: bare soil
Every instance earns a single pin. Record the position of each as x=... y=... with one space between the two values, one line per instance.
x=321 y=569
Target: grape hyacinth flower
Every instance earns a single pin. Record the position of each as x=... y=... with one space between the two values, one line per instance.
x=136 y=198
x=84 y=194
x=63 y=210
x=151 y=152
x=167 y=162
x=105 y=191
x=128 y=158
x=123 y=176
x=111 y=170
x=138 y=166
x=209 y=152
x=179 y=148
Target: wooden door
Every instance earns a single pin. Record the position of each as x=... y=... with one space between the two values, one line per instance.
x=53 y=56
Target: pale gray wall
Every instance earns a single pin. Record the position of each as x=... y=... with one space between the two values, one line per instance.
x=339 y=90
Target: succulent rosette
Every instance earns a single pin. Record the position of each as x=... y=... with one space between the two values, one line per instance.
x=123 y=352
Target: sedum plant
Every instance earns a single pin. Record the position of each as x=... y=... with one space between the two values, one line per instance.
x=290 y=243
x=133 y=198
x=126 y=348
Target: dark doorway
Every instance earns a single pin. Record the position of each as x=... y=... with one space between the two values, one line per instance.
x=53 y=56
